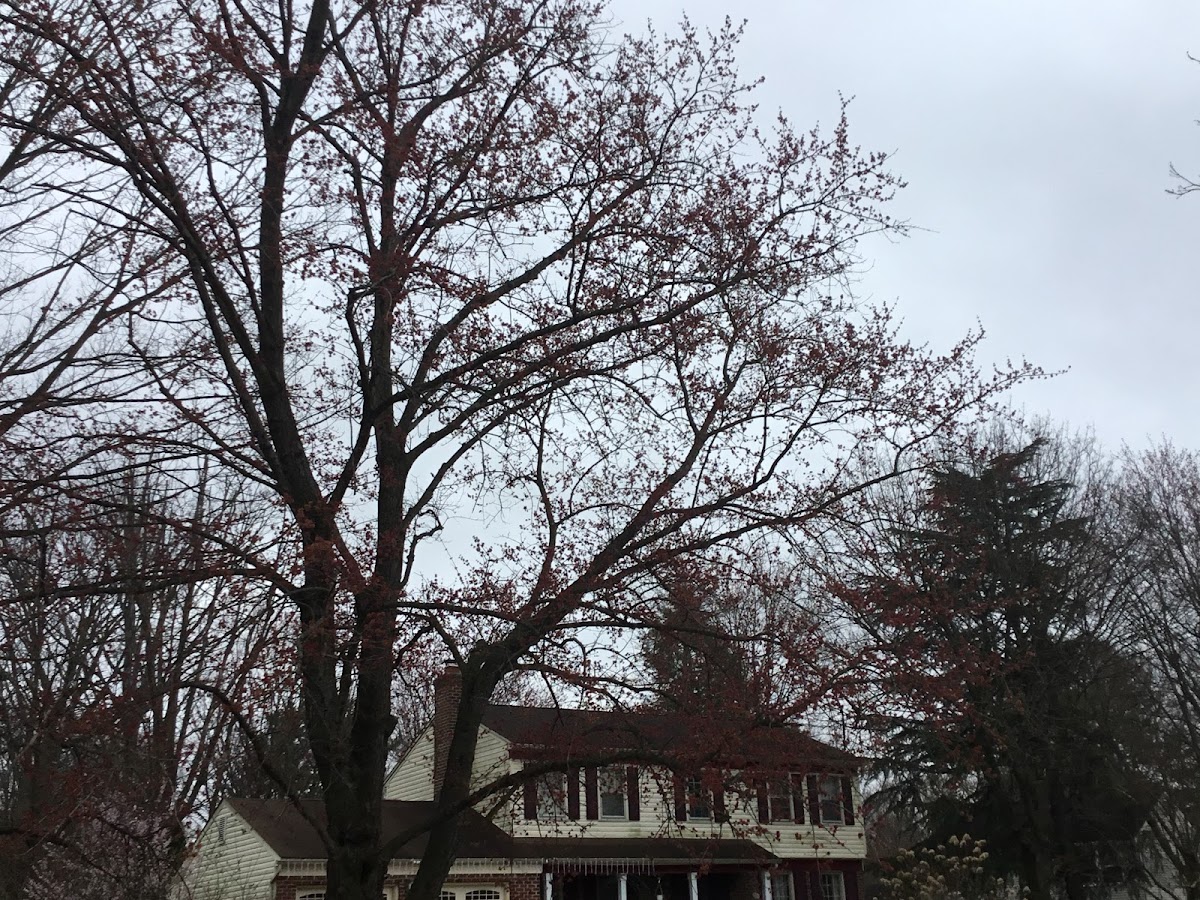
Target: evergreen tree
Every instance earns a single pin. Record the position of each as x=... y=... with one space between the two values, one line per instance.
x=1017 y=710
x=692 y=656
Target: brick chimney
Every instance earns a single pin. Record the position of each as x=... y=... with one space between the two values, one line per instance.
x=447 y=692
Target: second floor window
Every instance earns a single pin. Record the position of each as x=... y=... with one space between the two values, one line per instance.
x=612 y=786
x=552 y=797
x=781 y=804
x=699 y=799
x=829 y=799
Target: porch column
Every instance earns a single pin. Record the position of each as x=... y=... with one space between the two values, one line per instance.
x=623 y=886
x=547 y=886
x=766 y=885
x=693 y=886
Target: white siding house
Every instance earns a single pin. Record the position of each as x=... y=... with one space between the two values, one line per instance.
x=619 y=805
x=231 y=860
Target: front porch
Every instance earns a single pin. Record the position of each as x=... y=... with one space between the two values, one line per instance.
x=659 y=885
x=641 y=879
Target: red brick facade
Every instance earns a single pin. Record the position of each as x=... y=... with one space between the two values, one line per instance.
x=520 y=887
x=447 y=694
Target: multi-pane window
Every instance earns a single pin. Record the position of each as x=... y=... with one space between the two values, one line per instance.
x=612 y=785
x=470 y=892
x=551 y=797
x=833 y=886
x=781 y=886
x=829 y=796
x=779 y=800
x=699 y=799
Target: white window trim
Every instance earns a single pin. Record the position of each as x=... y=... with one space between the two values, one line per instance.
x=316 y=892
x=841 y=800
x=460 y=891
x=791 y=885
x=548 y=809
x=838 y=880
x=699 y=794
x=620 y=778
x=793 y=796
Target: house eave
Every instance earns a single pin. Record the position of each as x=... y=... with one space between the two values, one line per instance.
x=292 y=868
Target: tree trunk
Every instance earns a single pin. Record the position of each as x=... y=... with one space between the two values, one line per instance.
x=443 y=837
x=354 y=871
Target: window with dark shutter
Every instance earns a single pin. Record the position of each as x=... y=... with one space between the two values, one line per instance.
x=613 y=791
x=851 y=878
x=572 y=793
x=848 y=800
x=699 y=799
x=681 y=804
x=632 y=788
x=720 y=813
x=550 y=798
x=814 y=799
x=829 y=796
x=591 y=787
x=531 y=800
x=779 y=792
x=798 y=797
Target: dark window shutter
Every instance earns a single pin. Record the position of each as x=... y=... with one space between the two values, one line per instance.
x=798 y=798
x=681 y=799
x=814 y=879
x=847 y=800
x=720 y=814
x=591 y=783
x=572 y=793
x=850 y=876
x=764 y=807
x=814 y=800
x=635 y=798
x=531 y=800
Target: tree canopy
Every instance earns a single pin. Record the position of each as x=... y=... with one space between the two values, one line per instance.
x=495 y=314
x=1017 y=713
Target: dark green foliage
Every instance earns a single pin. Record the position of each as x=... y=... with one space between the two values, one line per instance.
x=694 y=660
x=1019 y=713
x=287 y=755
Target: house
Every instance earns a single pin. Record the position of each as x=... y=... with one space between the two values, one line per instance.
x=765 y=813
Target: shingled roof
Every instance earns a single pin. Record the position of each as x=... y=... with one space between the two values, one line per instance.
x=540 y=731
x=290 y=832
x=661 y=849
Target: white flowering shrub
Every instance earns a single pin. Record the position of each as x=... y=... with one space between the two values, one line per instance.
x=955 y=870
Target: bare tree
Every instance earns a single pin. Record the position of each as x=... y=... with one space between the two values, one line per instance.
x=1160 y=499
x=507 y=313
x=113 y=628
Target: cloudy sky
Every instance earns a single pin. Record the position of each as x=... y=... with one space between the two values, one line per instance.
x=1036 y=137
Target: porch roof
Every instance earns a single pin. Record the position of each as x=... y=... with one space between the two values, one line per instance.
x=292 y=833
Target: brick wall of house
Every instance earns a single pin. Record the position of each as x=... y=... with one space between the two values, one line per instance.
x=520 y=887
x=746 y=886
x=447 y=693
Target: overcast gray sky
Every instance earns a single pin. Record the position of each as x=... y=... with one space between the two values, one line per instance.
x=1035 y=136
